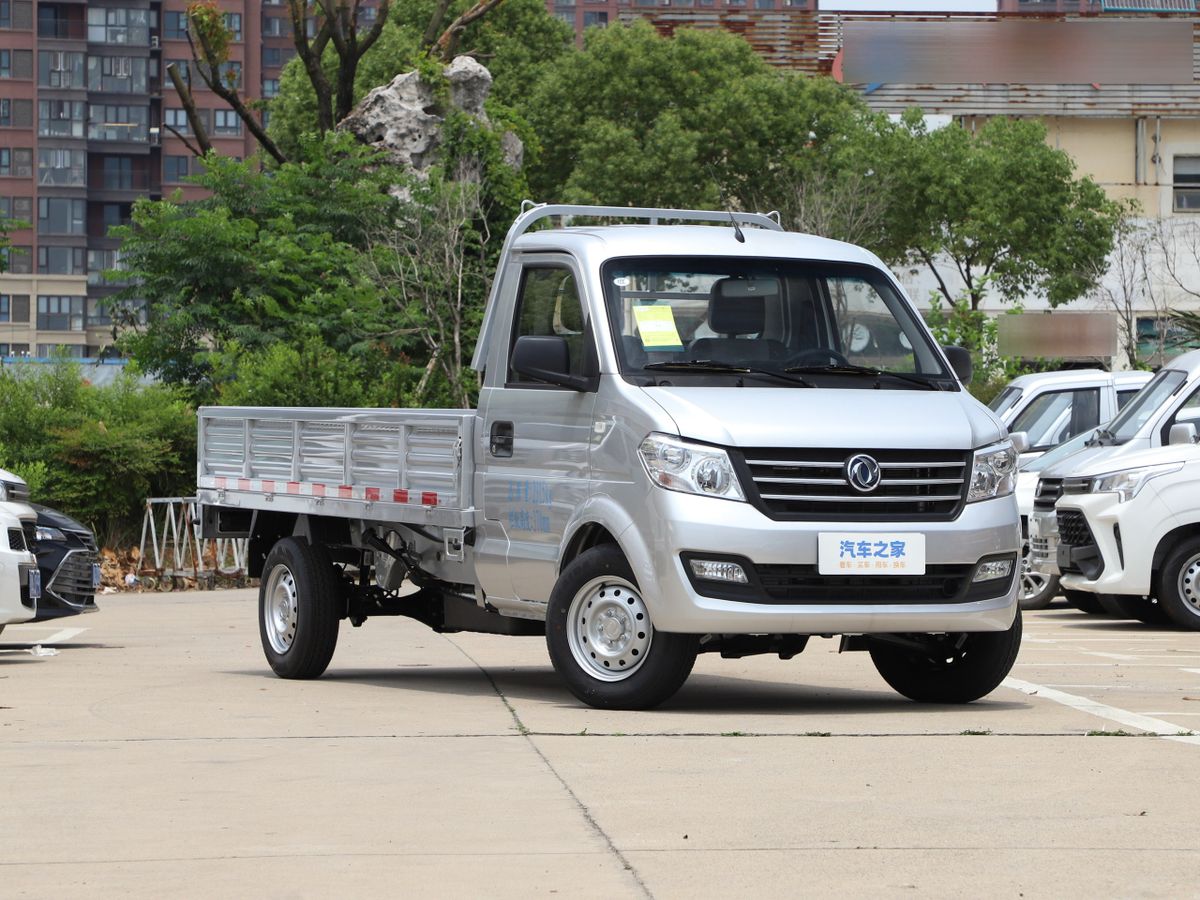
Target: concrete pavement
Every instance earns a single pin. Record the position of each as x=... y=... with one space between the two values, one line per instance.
x=156 y=755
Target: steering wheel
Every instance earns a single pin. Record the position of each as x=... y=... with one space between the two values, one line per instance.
x=818 y=356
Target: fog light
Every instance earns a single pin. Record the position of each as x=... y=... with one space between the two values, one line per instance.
x=993 y=568
x=717 y=570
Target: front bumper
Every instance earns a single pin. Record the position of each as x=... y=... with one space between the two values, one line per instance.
x=704 y=527
x=1043 y=542
x=17 y=600
x=1109 y=546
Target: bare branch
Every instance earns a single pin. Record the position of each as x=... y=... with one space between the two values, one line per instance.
x=204 y=145
x=447 y=44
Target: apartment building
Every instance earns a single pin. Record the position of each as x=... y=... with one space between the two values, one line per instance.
x=89 y=123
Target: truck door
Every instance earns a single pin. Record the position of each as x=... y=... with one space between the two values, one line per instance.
x=533 y=463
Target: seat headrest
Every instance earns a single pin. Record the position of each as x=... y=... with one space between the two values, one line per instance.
x=731 y=311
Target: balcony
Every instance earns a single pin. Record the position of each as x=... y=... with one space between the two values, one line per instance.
x=62 y=30
x=127 y=182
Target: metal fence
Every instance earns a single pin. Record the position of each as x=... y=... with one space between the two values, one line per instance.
x=176 y=549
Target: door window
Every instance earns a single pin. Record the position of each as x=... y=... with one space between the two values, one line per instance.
x=1056 y=416
x=549 y=305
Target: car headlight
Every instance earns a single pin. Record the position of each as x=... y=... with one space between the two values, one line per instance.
x=1128 y=482
x=993 y=472
x=691 y=468
x=46 y=533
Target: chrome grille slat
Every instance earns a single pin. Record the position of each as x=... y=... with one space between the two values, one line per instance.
x=811 y=483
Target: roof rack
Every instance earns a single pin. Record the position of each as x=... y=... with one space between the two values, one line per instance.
x=532 y=213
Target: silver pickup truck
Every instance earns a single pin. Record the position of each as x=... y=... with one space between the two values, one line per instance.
x=690 y=438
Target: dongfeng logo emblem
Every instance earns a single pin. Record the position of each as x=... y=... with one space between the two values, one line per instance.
x=862 y=472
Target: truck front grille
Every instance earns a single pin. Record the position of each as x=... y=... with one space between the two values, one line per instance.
x=1073 y=529
x=811 y=484
x=16 y=540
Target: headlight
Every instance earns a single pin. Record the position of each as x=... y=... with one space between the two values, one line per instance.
x=1128 y=482
x=46 y=533
x=691 y=468
x=993 y=473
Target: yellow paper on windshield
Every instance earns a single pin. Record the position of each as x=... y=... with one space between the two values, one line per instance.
x=656 y=326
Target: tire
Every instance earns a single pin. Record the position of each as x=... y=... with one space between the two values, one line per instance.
x=299 y=606
x=1037 y=590
x=602 y=642
x=962 y=668
x=1179 y=584
x=1084 y=601
x=1142 y=609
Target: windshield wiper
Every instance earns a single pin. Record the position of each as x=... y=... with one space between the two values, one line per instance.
x=851 y=369
x=1102 y=437
x=711 y=365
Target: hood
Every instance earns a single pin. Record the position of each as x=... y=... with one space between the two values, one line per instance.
x=52 y=518
x=6 y=475
x=1097 y=458
x=1112 y=462
x=824 y=417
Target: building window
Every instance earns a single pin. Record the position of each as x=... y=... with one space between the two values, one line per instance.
x=233 y=22
x=275 y=26
x=60 y=260
x=5 y=14
x=98 y=263
x=62 y=168
x=592 y=19
x=59 y=314
x=176 y=168
x=70 y=351
x=58 y=215
x=183 y=67
x=1187 y=183
x=5 y=64
x=175 y=26
x=270 y=87
x=60 y=69
x=16 y=162
x=113 y=122
x=272 y=57
x=176 y=119
x=117 y=74
x=17 y=259
x=226 y=121
x=60 y=118
x=118 y=173
x=5 y=112
x=119 y=26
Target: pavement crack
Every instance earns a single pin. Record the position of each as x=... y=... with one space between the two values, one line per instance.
x=528 y=736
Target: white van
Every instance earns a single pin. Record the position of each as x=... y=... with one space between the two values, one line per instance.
x=20 y=581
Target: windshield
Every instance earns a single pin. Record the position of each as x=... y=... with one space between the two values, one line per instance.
x=1004 y=400
x=1061 y=452
x=1138 y=411
x=706 y=320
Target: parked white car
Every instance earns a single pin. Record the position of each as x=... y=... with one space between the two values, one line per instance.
x=1131 y=535
x=1052 y=407
x=1172 y=397
x=20 y=583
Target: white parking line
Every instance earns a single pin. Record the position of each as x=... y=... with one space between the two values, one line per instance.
x=1160 y=727
x=1121 y=656
x=64 y=634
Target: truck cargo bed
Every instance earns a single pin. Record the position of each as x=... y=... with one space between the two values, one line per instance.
x=402 y=465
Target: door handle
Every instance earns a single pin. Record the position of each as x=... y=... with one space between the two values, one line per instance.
x=502 y=439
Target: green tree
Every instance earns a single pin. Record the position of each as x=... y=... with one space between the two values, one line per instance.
x=697 y=119
x=96 y=452
x=267 y=257
x=1001 y=204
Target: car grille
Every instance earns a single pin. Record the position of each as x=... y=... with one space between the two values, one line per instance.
x=1073 y=529
x=811 y=484
x=72 y=581
x=1048 y=492
x=16 y=539
x=1041 y=549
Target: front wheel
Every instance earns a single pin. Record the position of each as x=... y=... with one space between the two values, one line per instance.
x=952 y=668
x=298 y=609
x=1179 y=584
x=601 y=639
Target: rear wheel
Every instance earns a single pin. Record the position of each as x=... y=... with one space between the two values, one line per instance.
x=298 y=609
x=1084 y=601
x=952 y=668
x=1179 y=584
x=602 y=641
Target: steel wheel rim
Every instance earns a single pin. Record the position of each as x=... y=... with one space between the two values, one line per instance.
x=608 y=629
x=1189 y=584
x=1032 y=582
x=279 y=610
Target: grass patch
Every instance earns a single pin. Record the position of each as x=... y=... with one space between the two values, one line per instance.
x=970 y=732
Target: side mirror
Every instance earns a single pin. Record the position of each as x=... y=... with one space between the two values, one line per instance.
x=1020 y=441
x=548 y=358
x=960 y=362
x=1182 y=434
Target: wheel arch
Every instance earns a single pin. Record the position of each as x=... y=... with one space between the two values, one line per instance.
x=1167 y=544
